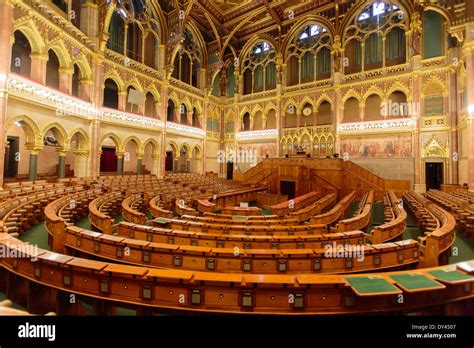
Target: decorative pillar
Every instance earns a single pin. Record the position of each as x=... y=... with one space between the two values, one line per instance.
x=470 y=113
x=298 y=118
x=33 y=169
x=6 y=33
x=122 y=101
x=156 y=110
x=62 y=165
x=139 y=163
x=85 y=90
x=120 y=160
x=189 y=118
x=155 y=169
x=80 y=163
x=38 y=67
x=362 y=111
x=65 y=80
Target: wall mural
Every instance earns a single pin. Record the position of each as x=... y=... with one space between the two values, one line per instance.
x=398 y=146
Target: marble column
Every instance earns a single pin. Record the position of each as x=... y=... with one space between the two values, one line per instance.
x=33 y=168
x=6 y=33
x=80 y=163
x=65 y=80
x=470 y=115
x=139 y=164
x=62 y=165
x=120 y=160
x=38 y=67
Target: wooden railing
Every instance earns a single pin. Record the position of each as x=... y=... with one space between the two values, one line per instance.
x=132 y=209
x=336 y=212
x=269 y=261
x=395 y=228
x=103 y=208
x=145 y=287
x=241 y=241
x=363 y=217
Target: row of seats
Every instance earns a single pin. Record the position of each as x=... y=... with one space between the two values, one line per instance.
x=296 y=203
x=64 y=211
x=238 y=292
x=134 y=209
x=334 y=214
x=215 y=240
x=103 y=208
x=460 y=207
x=316 y=208
x=362 y=216
x=439 y=228
x=267 y=261
x=395 y=218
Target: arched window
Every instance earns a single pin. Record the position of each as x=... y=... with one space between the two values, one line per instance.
x=196 y=119
x=76 y=77
x=52 y=70
x=271 y=120
x=132 y=25
x=433 y=34
x=373 y=108
x=309 y=55
x=246 y=122
x=187 y=62
x=21 y=51
x=351 y=111
x=324 y=114
x=116 y=33
x=395 y=49
x=150 y=105
x=170 y=111
x=290 y=116
x=381 y=27
x=183 y=114
x=134 y=41
x=110 y=94
x=259 y=69
x=258 y=121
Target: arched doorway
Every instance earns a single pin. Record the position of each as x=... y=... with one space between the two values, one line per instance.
x=170 y=162
x=184 y=162
x=108 y=156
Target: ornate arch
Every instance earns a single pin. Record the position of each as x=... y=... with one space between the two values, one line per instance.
x=84 y=140
x=115 y=138
x=28 y=28
x=61 y=52
x=133 y=138
x=154 y=145
x=59 y=132
x=113 y=75
x=31 y=129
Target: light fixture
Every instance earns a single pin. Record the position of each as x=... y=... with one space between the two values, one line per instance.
x=470 y=108
x=17 y=123
x=3 y=77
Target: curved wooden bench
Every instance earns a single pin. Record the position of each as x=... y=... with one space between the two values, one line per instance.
x=361 y=218
x=182 y=208
x=227 y=260
x=336 y=212
x=133 y=209
x=157 y=210
x=435 y=246
x=315 y=208
x=181 y=290
x=393 y=229
x=102 y=207
x=214 y=240
x=240 y=220
x=230 y=198
x=56 y=222
x=223 y=228
x=295 y=204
